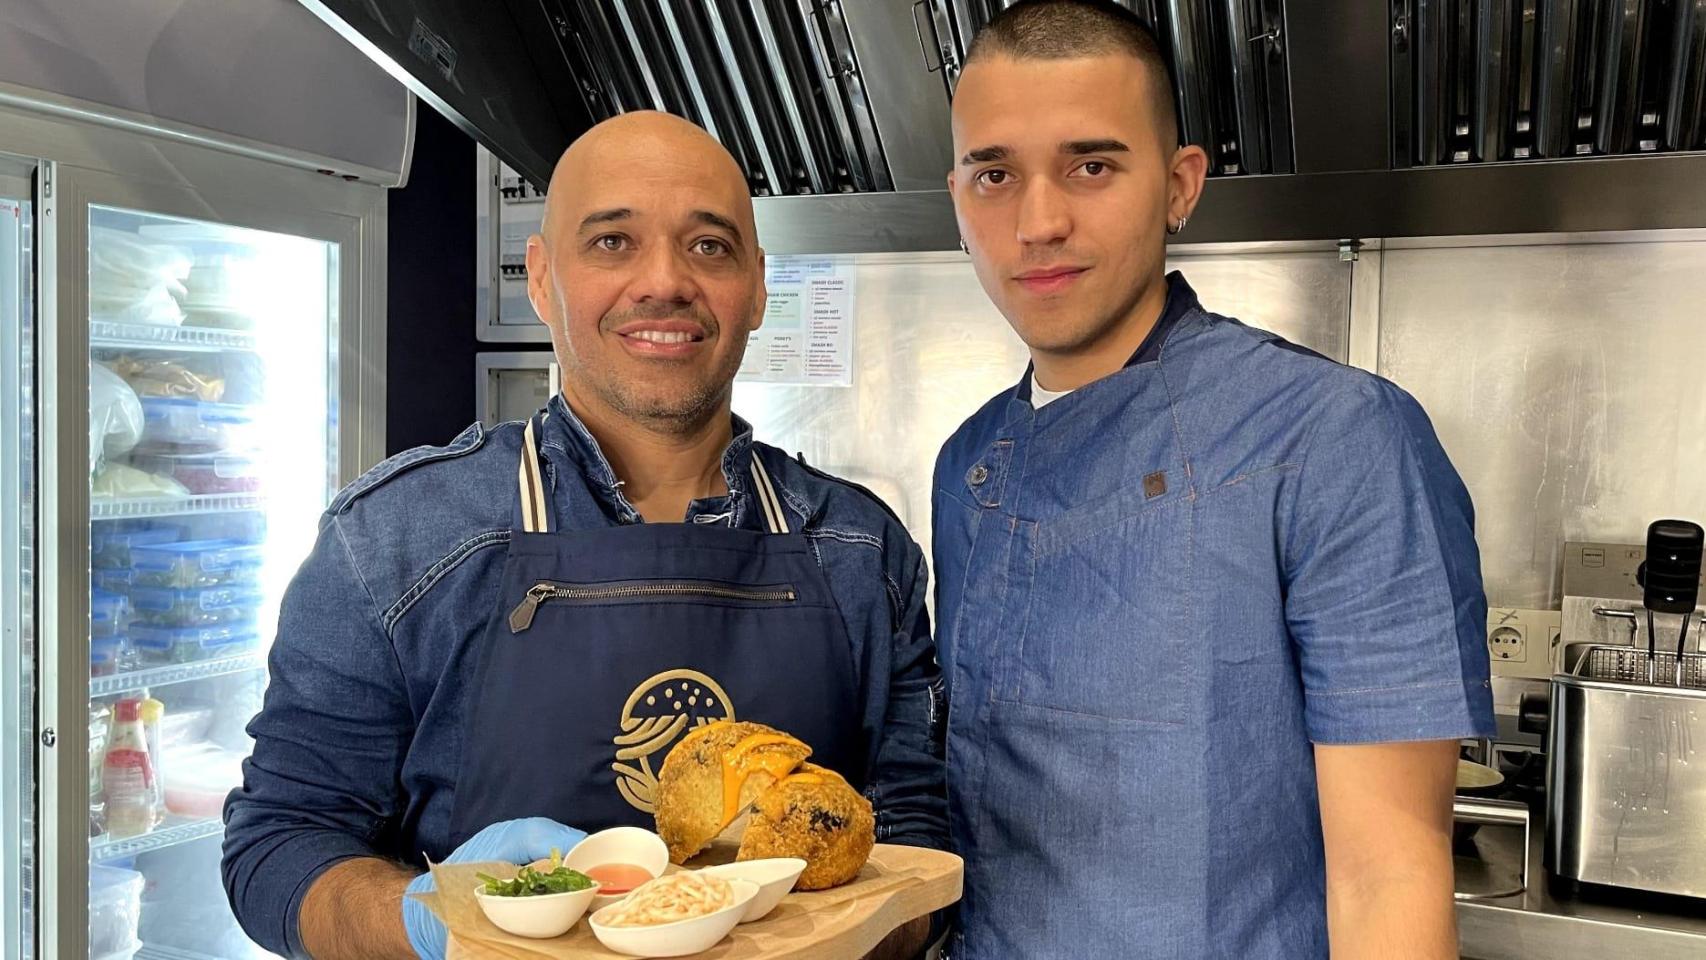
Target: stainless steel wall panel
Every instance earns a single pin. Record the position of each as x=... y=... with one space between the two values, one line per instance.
x=1565 y=381
x=930 y=349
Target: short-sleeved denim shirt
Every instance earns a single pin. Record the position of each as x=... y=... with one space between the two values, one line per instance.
x=1154 y=596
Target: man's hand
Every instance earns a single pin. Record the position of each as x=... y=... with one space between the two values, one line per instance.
x=358 y=909
x=906 y=943
x=1386 y=823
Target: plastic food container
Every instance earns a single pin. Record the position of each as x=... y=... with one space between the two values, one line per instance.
x=185 y=424
x=184 y=726
x=111 y=550
x=195 y=563
x=195 y=607
x=106 y=613
x=112 y=581
x=107 y=656
x=115 y=909
x=204 y=473
x=198 y=778
x=158 y=644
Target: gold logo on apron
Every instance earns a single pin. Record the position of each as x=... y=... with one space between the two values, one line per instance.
x=658 y=712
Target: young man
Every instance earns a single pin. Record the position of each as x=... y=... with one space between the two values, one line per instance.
x=434 y=692
x=1210 y=606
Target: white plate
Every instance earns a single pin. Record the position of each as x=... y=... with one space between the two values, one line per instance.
x=541 y=917
x=642 y=848
x=775 y=877
x=681 y=938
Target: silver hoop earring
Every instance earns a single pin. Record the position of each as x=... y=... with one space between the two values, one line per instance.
x=963 y=248
x=1177 y=228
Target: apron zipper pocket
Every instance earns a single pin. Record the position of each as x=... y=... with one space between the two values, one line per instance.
x=522 y=616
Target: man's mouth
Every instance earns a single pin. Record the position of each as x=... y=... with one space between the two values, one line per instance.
x=662 y=338
x=1049 y=279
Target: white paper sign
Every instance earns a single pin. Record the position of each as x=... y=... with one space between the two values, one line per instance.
x=807 y=336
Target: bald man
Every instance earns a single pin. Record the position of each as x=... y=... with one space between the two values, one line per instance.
x=495 y=643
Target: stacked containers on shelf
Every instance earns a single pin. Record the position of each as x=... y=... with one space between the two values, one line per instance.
x=194 y=599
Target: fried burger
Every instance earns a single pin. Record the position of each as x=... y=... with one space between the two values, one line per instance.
x=798 y=809
x=713 y=774
x=816 y=816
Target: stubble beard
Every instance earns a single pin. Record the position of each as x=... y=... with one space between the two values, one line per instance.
x=674 y=408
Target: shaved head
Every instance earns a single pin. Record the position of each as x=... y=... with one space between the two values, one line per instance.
x=639 y=139
x=647 y=271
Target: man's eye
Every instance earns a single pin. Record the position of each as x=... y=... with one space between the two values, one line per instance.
x=710 y=247
x=610 y=242
x=993 y=178
x=1094 y=168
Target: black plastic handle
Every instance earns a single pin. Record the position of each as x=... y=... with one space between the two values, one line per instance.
x=1534 y=713
x=1670 y=576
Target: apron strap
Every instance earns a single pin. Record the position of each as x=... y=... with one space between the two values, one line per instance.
x=767 y=498
x=535 y=518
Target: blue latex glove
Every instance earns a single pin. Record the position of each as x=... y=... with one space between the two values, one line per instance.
x=511 y=841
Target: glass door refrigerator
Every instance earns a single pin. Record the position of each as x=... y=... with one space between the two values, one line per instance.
x=17 y=518
x=205 y=385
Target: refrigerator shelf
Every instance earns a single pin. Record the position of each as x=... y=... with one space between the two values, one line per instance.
x=133 y=508
x=152 y=951
x=175 y=673
x=157 y=840
x=147 y=336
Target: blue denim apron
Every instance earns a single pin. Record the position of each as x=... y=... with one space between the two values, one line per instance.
x=608 y=645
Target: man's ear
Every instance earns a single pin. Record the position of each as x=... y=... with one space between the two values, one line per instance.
x=763 y=297
x=1185 y=186
x=539 y=279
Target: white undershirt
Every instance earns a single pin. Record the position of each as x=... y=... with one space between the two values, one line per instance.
x=1041 y=398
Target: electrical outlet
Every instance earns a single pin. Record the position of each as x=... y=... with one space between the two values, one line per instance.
x=1523 y=643
x=1507 y=643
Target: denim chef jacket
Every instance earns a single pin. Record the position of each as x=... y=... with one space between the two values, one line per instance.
x=358 y=745
x=1154 y=595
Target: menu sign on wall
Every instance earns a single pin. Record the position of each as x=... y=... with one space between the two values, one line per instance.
x=807 y=336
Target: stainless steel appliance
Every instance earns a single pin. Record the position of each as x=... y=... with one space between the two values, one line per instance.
x=1625 y=789
x=1602 y=598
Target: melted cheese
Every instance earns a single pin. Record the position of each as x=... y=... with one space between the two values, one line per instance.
x=740 y=762
x=817 y=776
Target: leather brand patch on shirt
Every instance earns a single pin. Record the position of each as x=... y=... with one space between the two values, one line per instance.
x=1154 y=485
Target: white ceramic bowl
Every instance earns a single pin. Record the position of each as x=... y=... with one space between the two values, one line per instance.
x=775 y=877
x=544 y=916
x=642 y=848
x=681 y=938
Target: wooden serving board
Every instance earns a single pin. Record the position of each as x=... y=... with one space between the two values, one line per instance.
x=897 y=885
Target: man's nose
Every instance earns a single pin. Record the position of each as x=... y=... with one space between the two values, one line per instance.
x=664 y=275
x=1044 y=215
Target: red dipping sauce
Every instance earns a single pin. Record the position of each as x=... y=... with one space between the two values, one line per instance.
x=619 y=877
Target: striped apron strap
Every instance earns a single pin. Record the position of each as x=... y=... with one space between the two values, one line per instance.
x=535 y=518
x=767 y=499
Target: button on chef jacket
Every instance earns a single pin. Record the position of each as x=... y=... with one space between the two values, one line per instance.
x=1154 y=596
x=374 y=672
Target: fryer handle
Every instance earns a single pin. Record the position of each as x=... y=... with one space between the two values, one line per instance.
x=1501 y=813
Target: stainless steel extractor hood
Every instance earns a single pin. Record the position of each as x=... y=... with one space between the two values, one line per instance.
x=1362 y=118
x=811 y=96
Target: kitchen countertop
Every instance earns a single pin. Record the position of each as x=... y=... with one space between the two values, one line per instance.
x=1537 y=926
